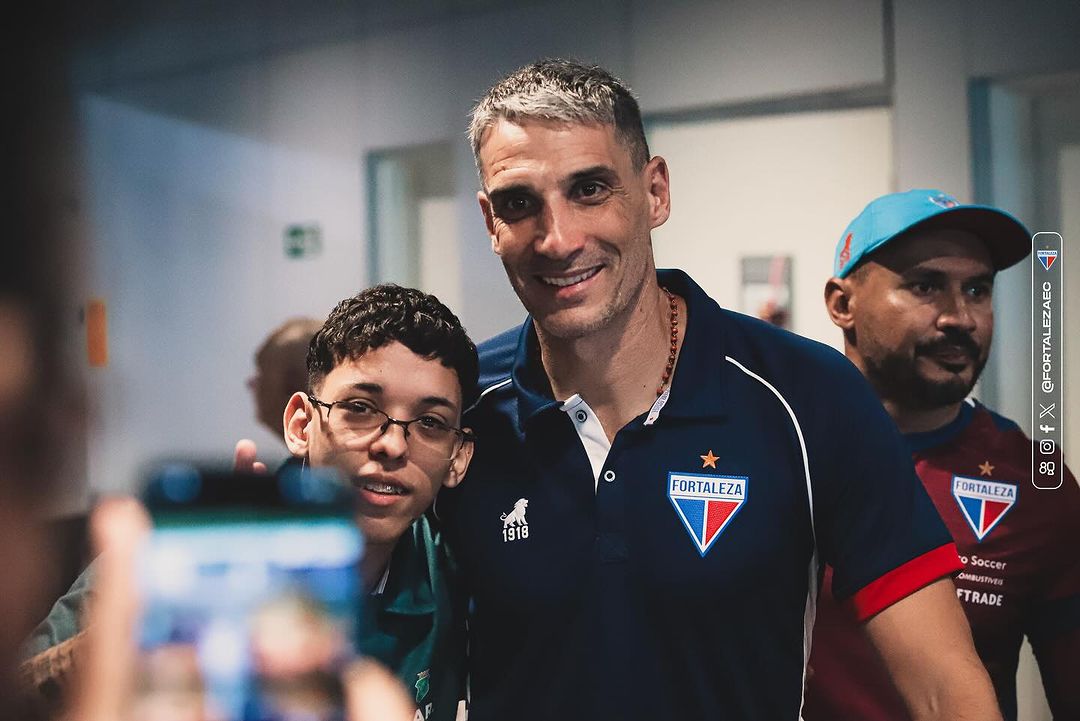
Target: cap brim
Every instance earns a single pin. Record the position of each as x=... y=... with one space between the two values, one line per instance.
x=1006 y=237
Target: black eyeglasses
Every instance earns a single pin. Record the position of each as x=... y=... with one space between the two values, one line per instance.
x=357 y=418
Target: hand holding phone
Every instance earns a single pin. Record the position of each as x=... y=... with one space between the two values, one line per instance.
x=106 y=679
x=252 y=595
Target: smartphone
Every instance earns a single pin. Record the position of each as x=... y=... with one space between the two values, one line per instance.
x=251 y=595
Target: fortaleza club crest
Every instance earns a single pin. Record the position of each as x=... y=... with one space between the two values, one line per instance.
x=706 y=503
x=984 y=503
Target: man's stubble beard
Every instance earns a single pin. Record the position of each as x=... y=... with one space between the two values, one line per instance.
x=609 y=312
x=896 y=379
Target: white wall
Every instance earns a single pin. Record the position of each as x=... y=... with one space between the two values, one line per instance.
x=440 y=254
x=188 y=227
x=939 y=47
x=781 y=185
x=692 y=53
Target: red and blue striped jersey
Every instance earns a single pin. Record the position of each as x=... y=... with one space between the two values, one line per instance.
x=1020 y=546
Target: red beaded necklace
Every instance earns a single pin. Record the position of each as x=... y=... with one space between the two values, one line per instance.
x=666 y=378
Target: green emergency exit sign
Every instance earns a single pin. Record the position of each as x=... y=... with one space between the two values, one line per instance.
x=303 y=240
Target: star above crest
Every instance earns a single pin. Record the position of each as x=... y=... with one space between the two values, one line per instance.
x=709 y=460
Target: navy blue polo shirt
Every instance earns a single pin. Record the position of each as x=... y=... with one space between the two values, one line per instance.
x=675 y=575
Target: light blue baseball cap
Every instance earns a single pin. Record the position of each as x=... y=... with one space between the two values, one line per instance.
x=927 y=209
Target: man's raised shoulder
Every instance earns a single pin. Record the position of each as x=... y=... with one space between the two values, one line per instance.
x=497 y=356
x=786 y=359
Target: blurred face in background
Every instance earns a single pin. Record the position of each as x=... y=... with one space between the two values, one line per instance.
x=281 y=370
x=269 y=389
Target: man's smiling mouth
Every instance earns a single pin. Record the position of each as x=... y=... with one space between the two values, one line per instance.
x=565 y=281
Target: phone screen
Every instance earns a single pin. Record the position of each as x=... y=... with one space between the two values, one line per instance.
x=251 y=597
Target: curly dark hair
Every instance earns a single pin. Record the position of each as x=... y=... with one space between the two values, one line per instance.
x=386 y=313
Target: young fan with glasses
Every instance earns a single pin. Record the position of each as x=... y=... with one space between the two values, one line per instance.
x=385 y=354
x=391 y=353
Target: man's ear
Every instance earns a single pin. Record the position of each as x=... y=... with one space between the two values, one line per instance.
x=659 y=190
x=459 y=464
x=838 y=302
x=489 y=219
x=297 y=421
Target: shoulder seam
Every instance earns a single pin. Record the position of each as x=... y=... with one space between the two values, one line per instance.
x=798 y=433
x=489 y=389
x=810 y=608
x=494 y=386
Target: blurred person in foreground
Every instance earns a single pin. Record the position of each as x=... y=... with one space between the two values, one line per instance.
x=659 y=479
x=912 y=291
x=39 y=402
x=386 y=374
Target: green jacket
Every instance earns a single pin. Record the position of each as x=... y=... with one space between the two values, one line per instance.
x=413 y=626
x=65 y=617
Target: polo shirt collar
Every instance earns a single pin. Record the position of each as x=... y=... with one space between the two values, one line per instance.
x=922 y=442
x=534 y=394
x=408 y=590
x=696 y=388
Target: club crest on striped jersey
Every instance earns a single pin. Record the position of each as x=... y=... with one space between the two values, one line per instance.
x=984 y=503
x=706 y=503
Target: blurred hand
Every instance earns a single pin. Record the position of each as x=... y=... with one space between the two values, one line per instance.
x=117 y=527
x=372 y=693
x=245 y=458
x=105 y=688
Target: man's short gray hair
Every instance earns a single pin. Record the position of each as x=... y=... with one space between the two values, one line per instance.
x=562 y=91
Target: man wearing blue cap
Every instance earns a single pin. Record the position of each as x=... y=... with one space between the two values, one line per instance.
x=912 y=289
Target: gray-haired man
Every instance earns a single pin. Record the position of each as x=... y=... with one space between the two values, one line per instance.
x=729 y=460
